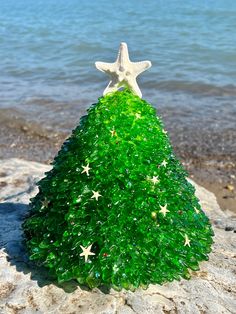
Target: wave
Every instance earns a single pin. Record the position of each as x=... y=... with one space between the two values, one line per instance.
x=200 y=88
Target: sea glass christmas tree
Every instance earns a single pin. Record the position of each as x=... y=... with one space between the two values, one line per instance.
x=116 y=209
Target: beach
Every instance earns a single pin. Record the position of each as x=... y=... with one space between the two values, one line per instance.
x=116 y=238
x=48 y=79
x=209 y=157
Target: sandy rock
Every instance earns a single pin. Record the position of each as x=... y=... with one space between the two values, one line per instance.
x=25 y=289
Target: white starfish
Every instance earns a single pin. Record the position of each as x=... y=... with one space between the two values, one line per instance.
x=164 y=210
x=86 y=169
x=113 y=132
x=86 y=252
x=187 y=241
x=155 y=179
x=45 y=203
x=96 y=195
x=123 y=72
x=164 y=163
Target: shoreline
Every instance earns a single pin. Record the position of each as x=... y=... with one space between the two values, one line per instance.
x=215 y=172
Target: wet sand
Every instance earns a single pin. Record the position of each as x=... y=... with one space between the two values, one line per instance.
x=208 y=157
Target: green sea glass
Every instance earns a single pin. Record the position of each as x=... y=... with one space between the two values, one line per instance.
x=132 y=166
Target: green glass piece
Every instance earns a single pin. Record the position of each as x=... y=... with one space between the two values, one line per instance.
x=146 y=226
x=92 y=281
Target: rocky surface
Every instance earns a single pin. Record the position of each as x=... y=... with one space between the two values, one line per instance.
x=25 y=289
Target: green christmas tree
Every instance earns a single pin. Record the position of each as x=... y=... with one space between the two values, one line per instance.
x=116 y=209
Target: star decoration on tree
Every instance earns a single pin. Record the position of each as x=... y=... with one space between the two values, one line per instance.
x=164 y=210
x=45 y=203
x=155 y=179
x=113 y=133
x=164 y=163
x=123 y=72
x=187 y=241
x=86 y=252
x=96 y=195
x=86 y=169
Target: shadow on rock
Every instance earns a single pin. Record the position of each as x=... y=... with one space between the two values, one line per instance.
x=11 y=240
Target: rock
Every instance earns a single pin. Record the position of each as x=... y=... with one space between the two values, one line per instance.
x=25 y=289
x=229 y=228
x=230 y=187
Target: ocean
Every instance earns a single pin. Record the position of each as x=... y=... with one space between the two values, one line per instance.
x=48 y=50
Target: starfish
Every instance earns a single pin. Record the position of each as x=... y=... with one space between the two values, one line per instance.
x=164 y=210
x=45 y=203
x=155 y=179
x=113 y=133
x=86 y=252
x=96 y=195
x=164 y=163
x=86 y=169
x=187 y=241
x=123 y=72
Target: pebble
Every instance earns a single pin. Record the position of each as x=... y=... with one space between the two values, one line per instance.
x=229 y=228
x=230 y=187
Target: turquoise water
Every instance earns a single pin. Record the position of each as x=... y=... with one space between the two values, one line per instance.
x=48 y=49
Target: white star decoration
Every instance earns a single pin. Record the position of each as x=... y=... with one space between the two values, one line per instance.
x=155 y=179
x=164 y=210
x=86 y=252
x=96 y=195
x=86 y=169
x=113 y=133
x=45 y=203
x=187 y=241
x=123 y=72
x=164 y=163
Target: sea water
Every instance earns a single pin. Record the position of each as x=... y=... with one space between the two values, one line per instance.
x=48 y=49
